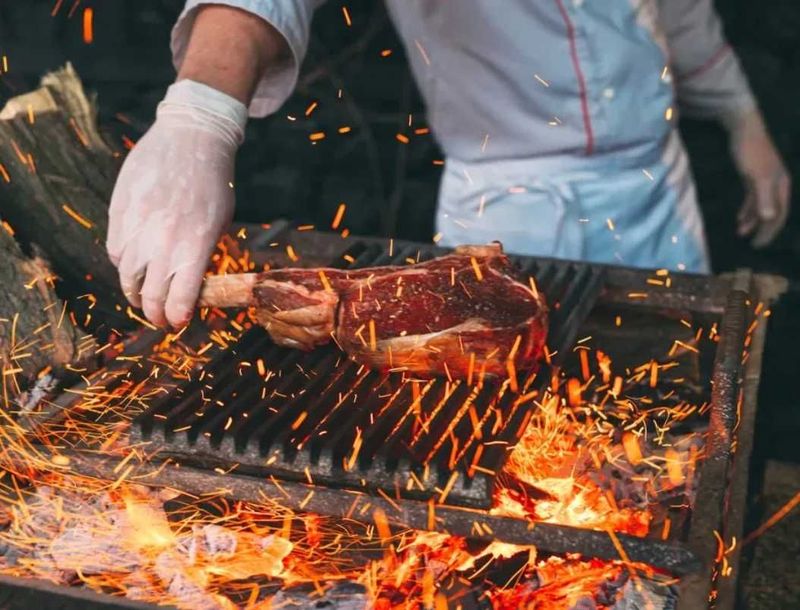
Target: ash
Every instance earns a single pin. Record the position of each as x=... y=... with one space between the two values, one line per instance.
x=70 y=538
x=123 y=542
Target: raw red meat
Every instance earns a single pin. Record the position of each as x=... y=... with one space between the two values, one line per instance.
x=459 y=315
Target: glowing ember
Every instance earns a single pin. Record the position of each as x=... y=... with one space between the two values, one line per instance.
x=603 y=450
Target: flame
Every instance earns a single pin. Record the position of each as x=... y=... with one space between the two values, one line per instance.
x=151 y=531
x=598 y=452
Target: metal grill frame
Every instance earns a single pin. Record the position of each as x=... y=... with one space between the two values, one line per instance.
x=692 y=559
x=572 y=289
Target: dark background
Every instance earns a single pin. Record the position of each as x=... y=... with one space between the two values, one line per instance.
x=389 y=187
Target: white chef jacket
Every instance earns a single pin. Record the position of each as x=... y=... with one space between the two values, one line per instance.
x=557 y=117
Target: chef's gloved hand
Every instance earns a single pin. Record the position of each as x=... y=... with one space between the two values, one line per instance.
x=767 y=183
x=174 y=198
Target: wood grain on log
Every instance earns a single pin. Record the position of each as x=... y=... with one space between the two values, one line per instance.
x=35 y=332
x=56 y=178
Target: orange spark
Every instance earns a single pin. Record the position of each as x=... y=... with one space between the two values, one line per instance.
x=476 y=267
x=633 y=451
x=775 y=518
x=88 y=25
x=574 y=392
x=325 y=283
x=584 y=358
x=299 y=421
x=373 y=343
x=337 y=219
x=674 y=470
x=76 y=217
x=382 y=525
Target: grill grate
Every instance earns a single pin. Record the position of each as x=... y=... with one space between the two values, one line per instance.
x=321 y=416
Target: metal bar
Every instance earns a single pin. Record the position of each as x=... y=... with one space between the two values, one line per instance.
x=709 y=504
x=578 y=300
x=403 y=513
x=260 y=238
x=26 y=593
x=689 y=292
x=767 y=290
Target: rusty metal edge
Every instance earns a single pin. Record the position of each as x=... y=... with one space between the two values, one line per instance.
x=768 y=288
x=27 y=593
x=403 y=513
x=713 y=483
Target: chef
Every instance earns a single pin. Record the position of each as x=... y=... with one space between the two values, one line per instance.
x=557 y=117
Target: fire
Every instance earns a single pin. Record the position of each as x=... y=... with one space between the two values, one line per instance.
x=151 y=529
x=598 y=452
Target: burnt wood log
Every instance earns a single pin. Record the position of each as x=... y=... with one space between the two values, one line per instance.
x=36 y=333
x=56 y=178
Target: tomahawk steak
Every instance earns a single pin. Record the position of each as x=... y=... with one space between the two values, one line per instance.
x=467 y=313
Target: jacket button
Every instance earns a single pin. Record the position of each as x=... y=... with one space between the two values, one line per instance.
x=609 y=93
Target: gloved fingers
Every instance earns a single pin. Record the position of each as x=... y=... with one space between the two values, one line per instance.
x=747 y=218
x=183 y=292
x=771 y=212
x=155 y=290
x=132 y=268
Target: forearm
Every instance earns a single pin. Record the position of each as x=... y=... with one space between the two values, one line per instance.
x=230 y=49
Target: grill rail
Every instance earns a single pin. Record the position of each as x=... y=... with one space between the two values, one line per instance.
x=319 y=416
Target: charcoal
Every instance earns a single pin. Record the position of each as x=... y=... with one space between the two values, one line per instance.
x=584 y=603
x=213 y=540
x=138 y=586
x=92 y=550
x=172 y=570
x=609 y=589
x=219 y=541
x=644 y=594
x=10 y=554
x=341 y=596
x=42 y=388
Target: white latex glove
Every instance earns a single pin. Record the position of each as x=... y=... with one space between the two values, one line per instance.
x=173 y=199
x=767 y=183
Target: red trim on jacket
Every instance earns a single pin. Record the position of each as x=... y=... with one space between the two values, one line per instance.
x=573 y=50
x=709 y=63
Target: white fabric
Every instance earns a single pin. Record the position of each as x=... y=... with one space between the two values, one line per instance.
x=580 y=215
x=709 y=80
x=173 y=198
x=552 y=88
